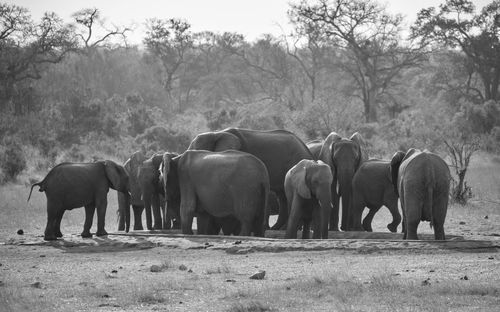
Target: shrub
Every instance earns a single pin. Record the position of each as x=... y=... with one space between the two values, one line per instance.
x=12 y=161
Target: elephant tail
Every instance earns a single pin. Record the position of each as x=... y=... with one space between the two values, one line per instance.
x=33 y=185
x=427 y=214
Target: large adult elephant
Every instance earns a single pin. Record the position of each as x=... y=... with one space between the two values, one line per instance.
x=131 y=166
x=73 y=185
x=279 y=150
x=219 y=184
x=372 y=187
x=307 y=188
x=422 y=180
x=315 y=147
x=344 y=156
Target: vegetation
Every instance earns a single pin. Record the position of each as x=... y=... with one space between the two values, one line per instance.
x=78 y=91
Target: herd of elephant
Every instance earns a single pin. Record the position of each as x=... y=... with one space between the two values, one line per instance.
x=232 y=180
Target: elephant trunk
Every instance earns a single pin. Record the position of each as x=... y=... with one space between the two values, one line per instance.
x=345 y=177
x=325 y=201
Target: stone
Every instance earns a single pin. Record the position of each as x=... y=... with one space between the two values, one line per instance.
x=259 y=275
x=182 y=267
x=155 y=268
x=20 y=232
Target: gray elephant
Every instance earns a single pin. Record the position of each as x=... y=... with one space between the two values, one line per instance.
x=315 y=147
x=279 y=150
x=219 y=184
x=372 y=187
x=148 y=176
x=422 y=180
x=308 y=192
x=344 y=156
x=73 y=185
x=135 y=200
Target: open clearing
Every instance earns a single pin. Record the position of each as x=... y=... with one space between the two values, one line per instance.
x=364 y=273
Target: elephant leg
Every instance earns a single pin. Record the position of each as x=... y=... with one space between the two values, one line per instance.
x=334 y=215
x=439 y=207
x=188 y=207
x=356 y=212
x=138 y=217
x=89 y=216
x=367 y=221
x=147 y=208
x=344 y=226
x=101 y=216
x=123 y=212
x=53 y=209
x=58 y=223
x=155 y=203
x=396 y=216
x=306 y=229
x=281 y=223
x=167 y=225
x=413 y=207
x=295 y=217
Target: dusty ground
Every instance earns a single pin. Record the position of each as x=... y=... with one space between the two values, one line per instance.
x=350 y=272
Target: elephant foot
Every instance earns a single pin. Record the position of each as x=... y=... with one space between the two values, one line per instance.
x=138 y=228
x=101 y=233
x=392 y=228
x=335 y=229
x=59 y=234
x=121 y=228
x=86 y=234
x=157 y=227
x=49 y=237
x=367 y=228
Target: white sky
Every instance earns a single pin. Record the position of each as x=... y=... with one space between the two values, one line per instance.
x=252 y=18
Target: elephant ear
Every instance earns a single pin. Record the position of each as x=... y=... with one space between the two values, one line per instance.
x=396 y=161
x=113 y=174
x=226 y=141
x=298 y=177
x=363 y=155
x=157 y=160
x=165 y=168
x=325 y=154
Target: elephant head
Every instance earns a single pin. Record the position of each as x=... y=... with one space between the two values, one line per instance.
x=344 y=156
x=215 y=142
x=396 y=160
x=117 y=176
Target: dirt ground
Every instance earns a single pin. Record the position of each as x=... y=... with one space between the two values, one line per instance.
x=162 y=271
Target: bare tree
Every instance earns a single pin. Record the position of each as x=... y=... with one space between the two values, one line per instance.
x=371 y=39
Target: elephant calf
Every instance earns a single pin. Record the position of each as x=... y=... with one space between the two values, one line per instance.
x=422 y=180
x=372 y=187
x=308 y=193
x=73 y=185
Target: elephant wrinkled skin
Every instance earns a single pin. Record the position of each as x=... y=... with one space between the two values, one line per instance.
x=230 y=184
x=307 y=187
x=422 y=180
x=73 y=185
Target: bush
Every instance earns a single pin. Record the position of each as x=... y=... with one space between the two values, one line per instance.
x=12 y=161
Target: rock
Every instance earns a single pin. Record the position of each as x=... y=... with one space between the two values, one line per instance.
x=182 y=267
x=461 y=222
x=20 y=232
x=36 y=285
x=490 y=258
x=155 y=268
x=237 y=242
x=259 y=275
x=42 y=256
x=464 y=278
x=231 y=281
x=427 y=282
x=114 y=271
x=2 y=283
x=486 y=217
x=190 y=271
x=243 y=251
x=432 y=271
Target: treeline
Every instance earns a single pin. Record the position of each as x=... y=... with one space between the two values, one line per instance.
x=79 y=91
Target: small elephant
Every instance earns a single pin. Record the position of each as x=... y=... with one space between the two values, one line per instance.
x=372 y=187
x=344 y=156
x=148 y=176
x=73 y=185
x=307 y=187
x=218 y=184
x=422 y=180
x=131 y=165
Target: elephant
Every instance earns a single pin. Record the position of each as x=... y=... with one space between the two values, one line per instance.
x=344 y=156
x=308 y=192
x=148 y=176
x=372 y=187
x=169 y=199
x=279 y=150
x=73 y=185
x=422 y=181
x=315 y=147
x=132 y=167
x=218 y=184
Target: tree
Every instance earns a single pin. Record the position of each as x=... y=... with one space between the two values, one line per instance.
x=374 y=52
x=169 y=41
x=26 y=48
x=457 y=25
x=93 y=32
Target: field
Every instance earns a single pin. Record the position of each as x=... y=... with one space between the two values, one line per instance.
x=168 y=273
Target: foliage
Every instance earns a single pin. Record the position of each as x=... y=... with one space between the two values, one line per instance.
x=12 y=161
